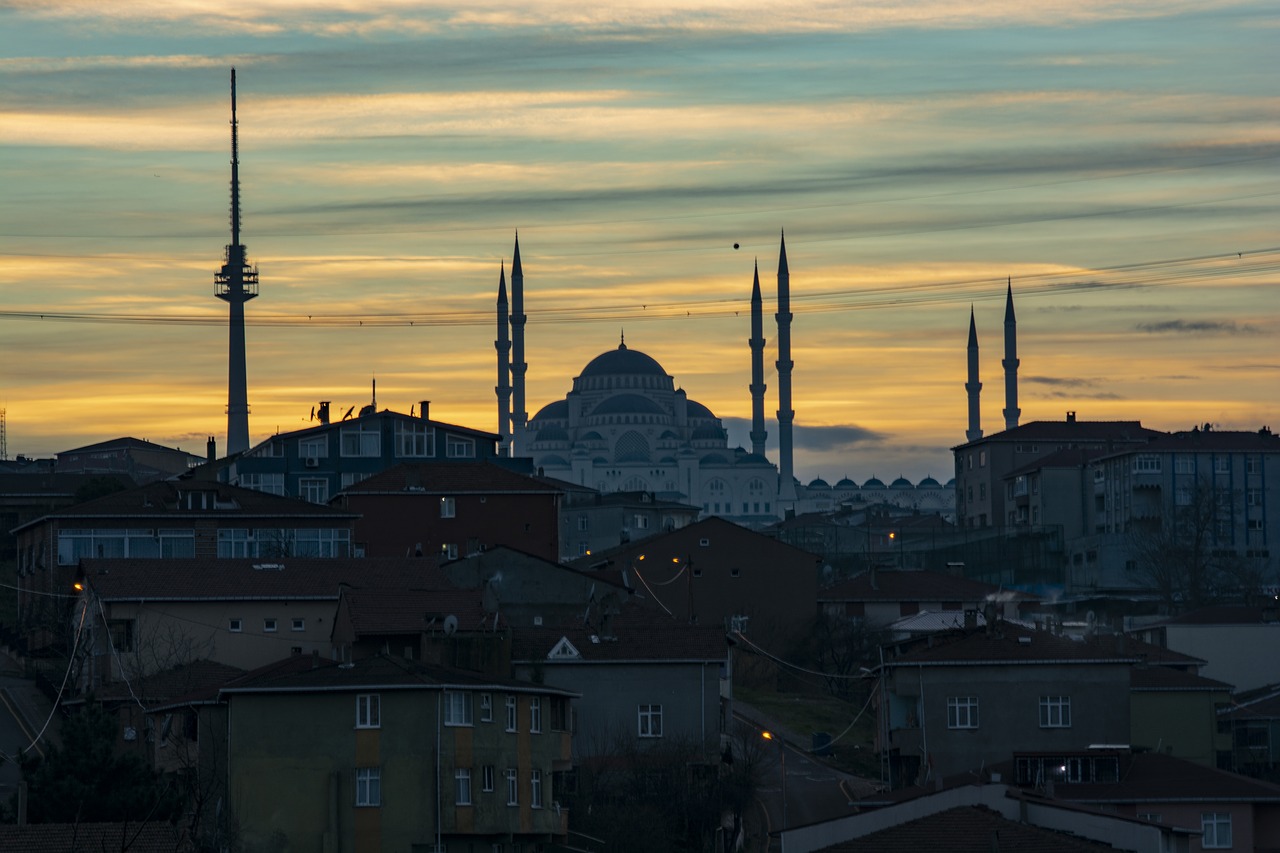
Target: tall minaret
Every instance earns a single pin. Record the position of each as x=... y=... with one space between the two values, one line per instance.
x=503 y=346
x=519 y=417
x=786 y=467
x=758 y=433
x=236 y=283
x=1010 y=363
x=973 y=386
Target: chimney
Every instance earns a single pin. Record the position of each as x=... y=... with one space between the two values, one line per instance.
x=211 y=450
x=424 y=408
x=322 y=413
x=970 y=619
x=1071 y=417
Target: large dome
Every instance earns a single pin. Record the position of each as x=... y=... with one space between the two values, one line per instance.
x=621 y=362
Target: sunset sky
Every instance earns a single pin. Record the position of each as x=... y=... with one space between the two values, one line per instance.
x=1119 y=161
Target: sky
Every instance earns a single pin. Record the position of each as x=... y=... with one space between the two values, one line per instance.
x=1117 y=163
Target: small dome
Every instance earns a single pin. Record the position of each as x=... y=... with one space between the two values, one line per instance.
x=873 y=483
x=667 y=460
x=951 y=484
x=697 y=410
x=558 y=409
x=628 y=404
x=902 y=483
x=552 y=433
x=592 y=436
x=819 y=483
x=622 y=361
x=708 y=433
x=599 y=460
x=846 y=484
x=929 y=483
x=753 y=459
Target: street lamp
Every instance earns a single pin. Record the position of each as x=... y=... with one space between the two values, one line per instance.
x=782 y=752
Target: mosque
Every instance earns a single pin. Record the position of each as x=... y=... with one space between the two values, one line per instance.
x=625 y=426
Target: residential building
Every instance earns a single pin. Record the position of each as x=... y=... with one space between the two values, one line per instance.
x=452 y=509
x=1175 y=711
x=882 y=597
x=1252 y=722
x=591 y=521
x=953 y=703
x=1227 y=637
x=317 y=463
x=139 y=460
x=395 y=756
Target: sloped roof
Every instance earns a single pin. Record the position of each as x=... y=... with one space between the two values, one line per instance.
x=1261 y=703
x=153 y=837
x=285 y=578
x=451 y=478
x=195 y=677
x=635 y=634
x=1168 y=679
x=306 y=675
x=967 y=829
x=162 y=500
x=1007 y=643
x=1152 y=777
x=126 y=442
x=380 y=611
x=1069 y=457
x=1226 y=614
x=1073 y=430
x=914 y=586
x=1211 y=440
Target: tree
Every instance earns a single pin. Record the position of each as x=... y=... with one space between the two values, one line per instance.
x=839 y=647
x=85 y=780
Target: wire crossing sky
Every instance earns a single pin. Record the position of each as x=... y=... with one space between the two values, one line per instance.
x=1119 y=162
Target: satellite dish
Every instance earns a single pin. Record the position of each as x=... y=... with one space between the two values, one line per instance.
x=450 y=624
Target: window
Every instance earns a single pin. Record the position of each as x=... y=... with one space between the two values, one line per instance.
x=1146 y=463
x=269 y=625
x=272 y=484
x=314 y=489
x=535 y=714
x=982 y=458
x=235 y=626
x=642 y=522
x=299 y=624
x=313 y=448
x=121 y=634
x=1253 y=497
x=1221 y=464
x=535 y=789
x=511 y=713
x=415 y=439
x=1055 y=712
x=1216 y=827
x=368 y=786
x=321 y=542
x=584 y=523
x=457 y=708
x=513 y=787
x=1252 y=465
x=650 y=720
x=486 y=707
x=448 y=508
x=486 y=778
x=361 y=440
x=462 y=786
x=457 y=447
x=962 y=712
x=449 y=550
x=368 y=711
x=236 y=542
x=1184 y=465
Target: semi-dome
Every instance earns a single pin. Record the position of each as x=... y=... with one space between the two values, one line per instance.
x=558 y=409
x=628 y=404
x=697 y=410
x=622 y=361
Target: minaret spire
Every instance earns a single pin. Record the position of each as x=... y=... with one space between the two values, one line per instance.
x=519 y=416
x=758 y=433
x=973 y=386
x=503 y=346
x=236 y=283
x=1010 y=363
x=786 y=467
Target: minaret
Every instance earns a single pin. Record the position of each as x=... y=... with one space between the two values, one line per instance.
x=1010 y=363
x=503 y=346
x=786 y=468
x=519 y=417
x=758 y=433
x=973 y=386
x=236 y=283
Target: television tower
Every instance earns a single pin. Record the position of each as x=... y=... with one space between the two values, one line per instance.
x=236 y=283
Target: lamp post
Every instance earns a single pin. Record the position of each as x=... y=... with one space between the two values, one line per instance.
x=782 y=753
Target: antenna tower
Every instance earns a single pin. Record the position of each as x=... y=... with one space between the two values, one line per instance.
x=236 y=283
x=4 y=442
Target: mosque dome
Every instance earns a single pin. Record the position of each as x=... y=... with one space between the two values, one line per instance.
x=558 y=409
x=697 y=410
x=902 y=483
x=628 y=404
x=708 y=433
x=622 y=361
x=819 y=483
x=845 y=484
x=929 y=483
x=873 y=483
x=552 y=433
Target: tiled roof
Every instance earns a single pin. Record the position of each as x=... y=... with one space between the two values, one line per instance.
x=1068 y=431
x=195 y=677
x=635 y=634
x=967 y=829
x=127 y=441
x=244 y=579
x=1209 y=441
x=1260 y=704
x=1007 y=643
x=154 y=837
x=1166 y=678
x=1225 y=615
x=452 y=478
x=302 y=674
x=914 y=586
x=160 y=499
x=380 y=611
x=1156 y=777
x=940 y=620
x=1071 y=457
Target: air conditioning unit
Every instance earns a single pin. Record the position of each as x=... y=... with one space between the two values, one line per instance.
x=312 y=462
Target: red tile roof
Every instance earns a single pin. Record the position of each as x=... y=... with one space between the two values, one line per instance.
x=243 y=579
x=967 y=829
x=453 y=478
